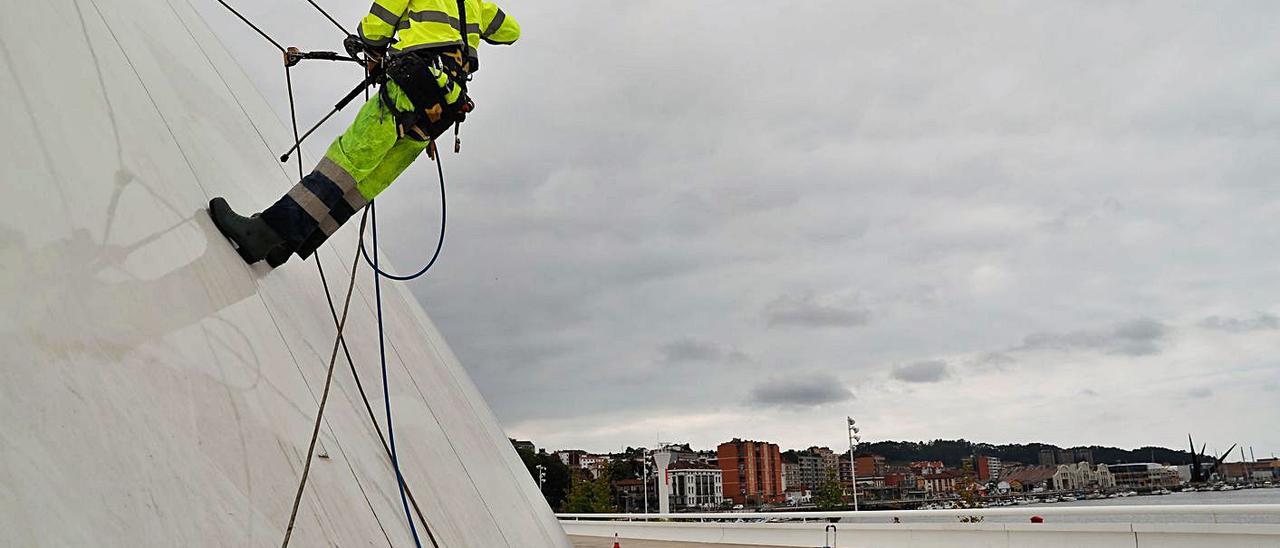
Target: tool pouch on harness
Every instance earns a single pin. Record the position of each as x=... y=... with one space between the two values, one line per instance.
x=433 y=114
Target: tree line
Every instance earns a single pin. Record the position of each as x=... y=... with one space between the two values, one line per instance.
x=576 y=491
x=953 y=452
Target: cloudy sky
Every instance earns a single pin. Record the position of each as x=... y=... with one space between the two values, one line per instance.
x=1003 y=221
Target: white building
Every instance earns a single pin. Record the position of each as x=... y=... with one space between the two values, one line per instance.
x=593 y=463
x=1081 y=475
x=570 y=457
x=791 y=474
x=695 y=484
x=798 y=497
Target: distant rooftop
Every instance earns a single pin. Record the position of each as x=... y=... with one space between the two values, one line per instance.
x=686 y=465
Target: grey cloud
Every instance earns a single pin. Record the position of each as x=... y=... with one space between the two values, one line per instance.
x=923 y=295
x=805 y=311
x=808 y=391
x=692 y=350
x=1089 y=392
x=1080 y=216
x=1138 y=337
x=1262 y=321
x=921 y=372
x=1199 y=392
x=992 y=361
x=653 y=213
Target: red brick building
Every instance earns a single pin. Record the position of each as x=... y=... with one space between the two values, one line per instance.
x=869 y=466
x=988 y=468
x=751 y=471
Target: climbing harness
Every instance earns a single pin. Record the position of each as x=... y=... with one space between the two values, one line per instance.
x=292 y=57
x=465 y=62
x=416 y=73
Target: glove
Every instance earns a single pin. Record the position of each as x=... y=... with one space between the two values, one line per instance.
x=354 y=45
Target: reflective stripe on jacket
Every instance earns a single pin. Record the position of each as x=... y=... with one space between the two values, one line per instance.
x=407 y=25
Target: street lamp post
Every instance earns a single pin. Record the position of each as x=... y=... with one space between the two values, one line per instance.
x=542 y=477
x=644 y=462
x=853 y=465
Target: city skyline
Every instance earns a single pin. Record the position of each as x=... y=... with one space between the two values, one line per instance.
x=1232 y=456
x=757 y=473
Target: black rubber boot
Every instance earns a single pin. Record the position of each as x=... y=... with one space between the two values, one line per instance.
x=278 y=255
x=253 y=239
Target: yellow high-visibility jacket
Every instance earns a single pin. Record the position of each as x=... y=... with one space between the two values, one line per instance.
x=408 y=25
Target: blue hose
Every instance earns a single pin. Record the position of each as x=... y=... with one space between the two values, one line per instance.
x=444 y=211
x=386 y=390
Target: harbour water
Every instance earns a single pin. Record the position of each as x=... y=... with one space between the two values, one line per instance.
x=1243 y=496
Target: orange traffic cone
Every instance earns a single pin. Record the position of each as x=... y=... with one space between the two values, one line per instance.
x=615 y=541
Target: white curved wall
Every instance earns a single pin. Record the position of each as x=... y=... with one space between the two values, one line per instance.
x=154 y=391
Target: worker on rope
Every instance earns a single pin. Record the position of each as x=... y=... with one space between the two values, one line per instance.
x=419 y=47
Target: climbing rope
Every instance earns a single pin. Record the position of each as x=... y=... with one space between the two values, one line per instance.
x=324 y=396
x=253 y=26
x=406 y=495
x=364 y=397
x=327 y=16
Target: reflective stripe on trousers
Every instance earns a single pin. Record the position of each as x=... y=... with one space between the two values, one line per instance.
x=359 y=165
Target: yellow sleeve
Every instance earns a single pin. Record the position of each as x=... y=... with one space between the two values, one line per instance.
x=496 y=27
x=378 y=28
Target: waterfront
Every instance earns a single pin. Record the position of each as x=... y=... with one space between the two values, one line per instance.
x=1123 y=525
x=1242 y=496
x=602 y=542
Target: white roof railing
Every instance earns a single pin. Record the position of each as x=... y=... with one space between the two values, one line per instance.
x=1146 y=510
